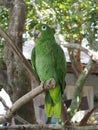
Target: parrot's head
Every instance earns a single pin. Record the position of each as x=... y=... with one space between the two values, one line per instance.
x=43 y=32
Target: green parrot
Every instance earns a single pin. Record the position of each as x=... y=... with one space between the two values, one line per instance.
x=48 y=61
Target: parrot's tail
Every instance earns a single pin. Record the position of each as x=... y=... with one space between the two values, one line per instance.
x=52 y=108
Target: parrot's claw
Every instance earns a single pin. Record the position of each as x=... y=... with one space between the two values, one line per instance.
x=49 y=84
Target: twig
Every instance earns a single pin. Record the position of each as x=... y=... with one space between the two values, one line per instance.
x=4 y=103
x=26 y=98
x=86 y=117
x=20 y=119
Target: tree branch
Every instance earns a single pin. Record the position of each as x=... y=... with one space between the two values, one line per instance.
x=17 y=117
x=83 y=122
x=4 y=103
x=26 y=98
x=76 y=99
x=73 y=62
x=90 y=53
x=36 y=127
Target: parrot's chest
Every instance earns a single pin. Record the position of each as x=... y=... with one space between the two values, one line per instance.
x=45 y=65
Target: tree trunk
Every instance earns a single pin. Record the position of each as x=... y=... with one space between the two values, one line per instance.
x=18 y=78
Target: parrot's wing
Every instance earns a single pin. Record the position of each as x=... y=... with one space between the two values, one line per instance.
x=33 y=56
x=60 y=63
x=53 y=96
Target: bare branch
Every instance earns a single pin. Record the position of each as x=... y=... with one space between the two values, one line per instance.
x=78 y=89
x=91 y=53
x=26 y=98
x=20 y=119
x=83 y=122
x=4 y=103
x=36 y=127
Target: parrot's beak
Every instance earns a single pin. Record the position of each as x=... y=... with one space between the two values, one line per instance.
x=37 y=34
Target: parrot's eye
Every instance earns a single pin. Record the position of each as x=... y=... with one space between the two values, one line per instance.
x=44 y=27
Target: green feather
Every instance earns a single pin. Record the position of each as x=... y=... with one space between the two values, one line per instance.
x=49 y=62
x=53 y=102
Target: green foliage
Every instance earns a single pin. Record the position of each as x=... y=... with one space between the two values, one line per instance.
x=4 y=16
x=78 y=19
x=31 y=17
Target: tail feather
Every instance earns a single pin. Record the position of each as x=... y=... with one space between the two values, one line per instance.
x=48 y=105
x=52 y=107
x=57 y=109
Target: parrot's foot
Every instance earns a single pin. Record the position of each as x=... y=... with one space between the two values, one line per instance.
x=49 y=84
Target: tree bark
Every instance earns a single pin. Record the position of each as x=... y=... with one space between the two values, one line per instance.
x=18 y=78
x=3 y=79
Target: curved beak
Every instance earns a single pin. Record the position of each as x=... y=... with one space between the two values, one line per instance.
x=36 y=33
